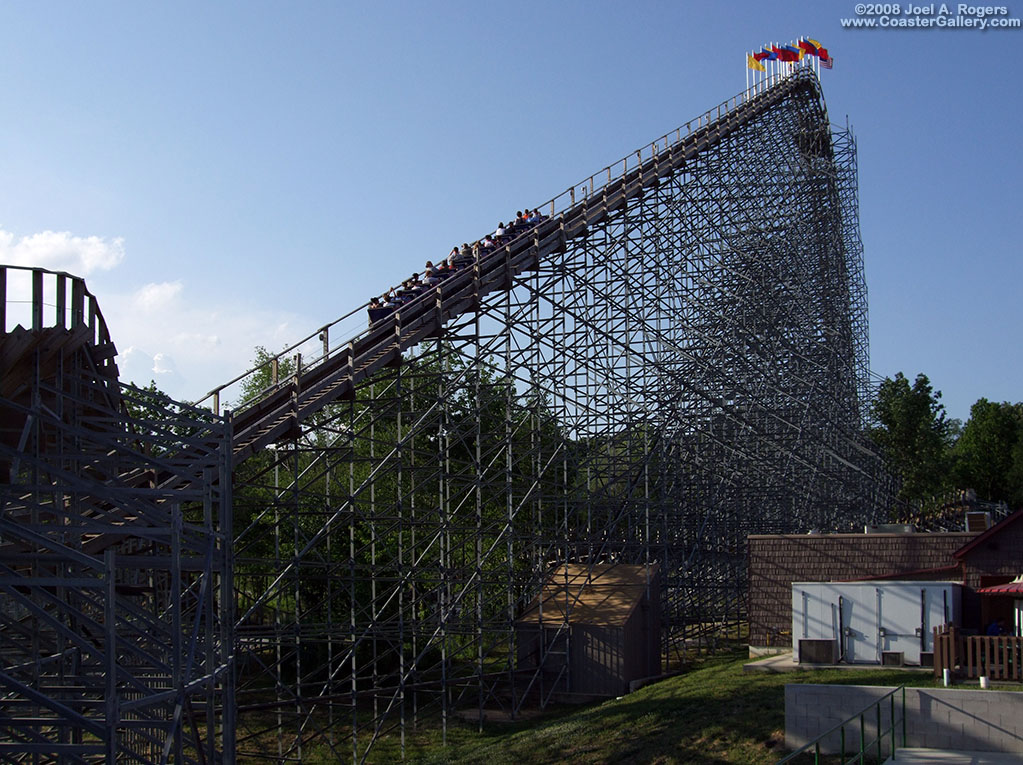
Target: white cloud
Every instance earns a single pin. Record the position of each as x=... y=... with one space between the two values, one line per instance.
x=62 y=251
x=156 y=297
x=163 y=364
x=197 y=339
x=135 y=365
x=187 y=345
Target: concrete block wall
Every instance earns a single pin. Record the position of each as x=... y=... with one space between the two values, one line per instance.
x=812 y=709
x=940 y=718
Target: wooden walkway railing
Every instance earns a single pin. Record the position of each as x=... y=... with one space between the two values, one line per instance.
x=971 y=656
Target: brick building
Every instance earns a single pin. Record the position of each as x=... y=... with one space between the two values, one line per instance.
x=976 y=559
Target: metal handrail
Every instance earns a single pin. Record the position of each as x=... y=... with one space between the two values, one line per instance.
x=564 y=201
x=861 y=752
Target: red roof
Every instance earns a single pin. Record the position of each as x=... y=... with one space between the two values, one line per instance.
x=1009 y=588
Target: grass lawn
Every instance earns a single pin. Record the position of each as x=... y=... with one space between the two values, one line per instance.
x=713 y=713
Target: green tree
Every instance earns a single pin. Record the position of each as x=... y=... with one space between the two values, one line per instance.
x=263 y=376
x=914 y=434
x=434 y=443
x=160 y=424
x=988 y=456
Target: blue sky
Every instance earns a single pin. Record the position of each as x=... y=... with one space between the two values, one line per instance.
x=232 y=174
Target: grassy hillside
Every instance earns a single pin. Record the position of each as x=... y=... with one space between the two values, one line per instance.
x=714 y=713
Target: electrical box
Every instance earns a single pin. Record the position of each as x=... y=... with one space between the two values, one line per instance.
x=874 y=621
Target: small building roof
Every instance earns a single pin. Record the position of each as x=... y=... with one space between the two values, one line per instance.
x=986 y=536
x=598 y=594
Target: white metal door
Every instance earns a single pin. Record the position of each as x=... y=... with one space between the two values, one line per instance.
x=859 y=618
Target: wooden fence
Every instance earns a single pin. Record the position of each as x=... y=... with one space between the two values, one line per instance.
x=997 y=657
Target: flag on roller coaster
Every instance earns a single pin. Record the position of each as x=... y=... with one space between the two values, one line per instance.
x=785 y=54
x=827 y=63
x=762 y=55
x=797 y=52
x=809 y=48
x=753 y=63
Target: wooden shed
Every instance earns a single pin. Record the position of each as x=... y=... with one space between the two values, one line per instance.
x=593 y=629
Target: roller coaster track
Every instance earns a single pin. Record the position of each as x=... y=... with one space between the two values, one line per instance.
x=279 y=411
x=673 y=471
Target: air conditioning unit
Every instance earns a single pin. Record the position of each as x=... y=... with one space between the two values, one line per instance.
x=818 y=651
x=978 y=521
